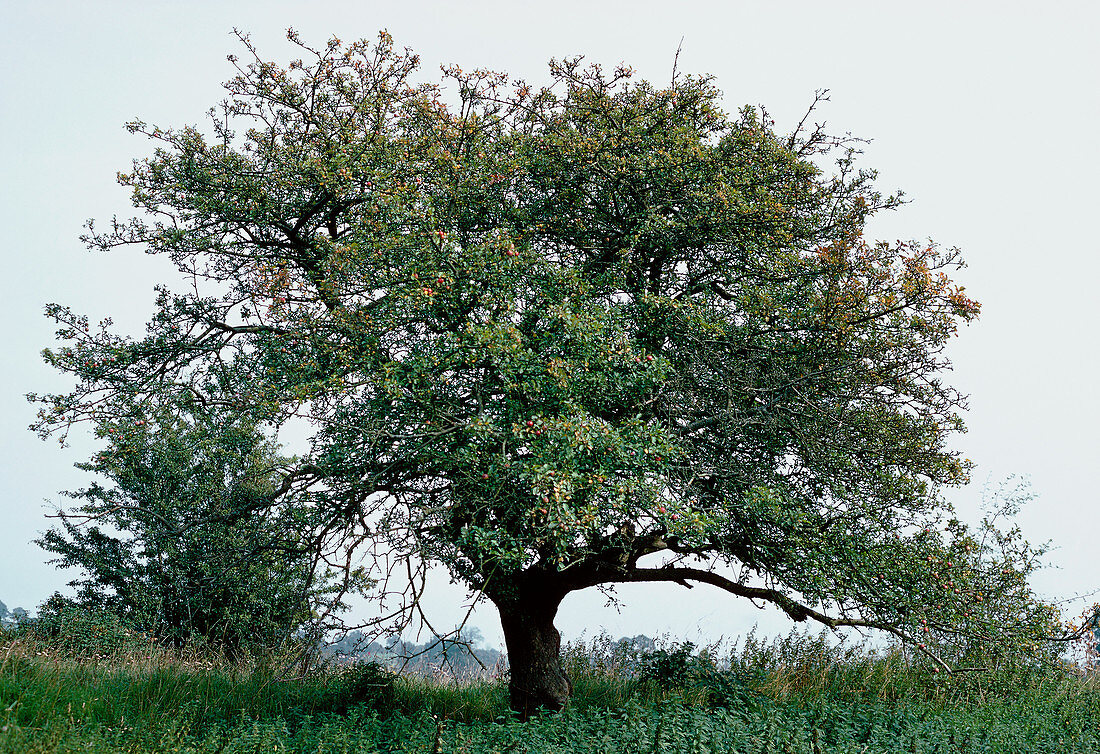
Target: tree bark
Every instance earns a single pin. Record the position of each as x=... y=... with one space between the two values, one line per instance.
x=538 y=680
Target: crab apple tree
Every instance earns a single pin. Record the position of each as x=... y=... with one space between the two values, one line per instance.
x=557 y=337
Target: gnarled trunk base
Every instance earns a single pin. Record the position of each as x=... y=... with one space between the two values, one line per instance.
x=534 y=656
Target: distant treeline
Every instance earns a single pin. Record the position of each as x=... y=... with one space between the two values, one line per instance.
x=466 y=656
x=8 y=618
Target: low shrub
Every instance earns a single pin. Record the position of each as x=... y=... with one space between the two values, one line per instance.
x=66 y=627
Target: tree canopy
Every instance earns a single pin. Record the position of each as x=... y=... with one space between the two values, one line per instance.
x=555 y=337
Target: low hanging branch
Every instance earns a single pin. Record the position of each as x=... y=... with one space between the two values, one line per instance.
x=794 y=610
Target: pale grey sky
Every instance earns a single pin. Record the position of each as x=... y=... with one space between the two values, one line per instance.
x=985 y=113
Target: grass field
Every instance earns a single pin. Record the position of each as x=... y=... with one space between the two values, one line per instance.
x=792 y=695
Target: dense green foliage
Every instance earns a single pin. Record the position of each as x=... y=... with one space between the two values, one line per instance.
x=788 y=695
x=189 y=536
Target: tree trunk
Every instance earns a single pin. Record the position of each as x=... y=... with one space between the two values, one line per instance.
x=534 y=653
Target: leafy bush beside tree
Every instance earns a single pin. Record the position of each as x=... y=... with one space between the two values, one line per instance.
x=190 y=536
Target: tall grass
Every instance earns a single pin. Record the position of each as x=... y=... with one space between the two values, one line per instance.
x=798 y=693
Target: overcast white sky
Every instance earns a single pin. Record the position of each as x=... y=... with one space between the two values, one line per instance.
x=985 y=113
